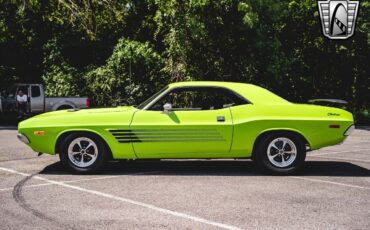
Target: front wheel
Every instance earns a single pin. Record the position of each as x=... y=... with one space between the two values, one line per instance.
x=280 y=153
x=83 y=152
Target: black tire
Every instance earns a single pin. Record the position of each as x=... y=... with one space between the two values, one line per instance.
x=99 y=151
x=275 y=163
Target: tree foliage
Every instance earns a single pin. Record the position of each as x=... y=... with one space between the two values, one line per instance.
x=131 y=74
x=60 y=78
x=86 y=47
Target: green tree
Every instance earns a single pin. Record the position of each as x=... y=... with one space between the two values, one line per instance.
x=131 y=74
x=60 y=78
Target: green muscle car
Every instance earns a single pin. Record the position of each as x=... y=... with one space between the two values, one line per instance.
x=191 y=120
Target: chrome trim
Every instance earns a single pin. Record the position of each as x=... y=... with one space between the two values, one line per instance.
x=349 y=130
x=167 y=89
x=282 y=155
x=83 y=155
x=23 y=138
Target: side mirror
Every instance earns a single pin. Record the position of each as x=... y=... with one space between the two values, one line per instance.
x=167 y=108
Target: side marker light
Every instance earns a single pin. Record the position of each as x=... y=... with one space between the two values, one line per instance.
x=39 y=133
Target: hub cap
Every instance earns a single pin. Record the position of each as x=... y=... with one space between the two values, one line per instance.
x=82 y=152
x=281 y=152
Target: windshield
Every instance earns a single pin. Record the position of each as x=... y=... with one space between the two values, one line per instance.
x=147 y=101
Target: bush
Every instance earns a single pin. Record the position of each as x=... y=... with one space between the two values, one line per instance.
x=132 y=73
x=60 y=78
x=362 y=116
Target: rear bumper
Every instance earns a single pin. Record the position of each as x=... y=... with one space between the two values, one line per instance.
x=349 y=130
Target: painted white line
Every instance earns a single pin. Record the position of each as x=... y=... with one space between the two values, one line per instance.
x=349 y=151
x=126 y=200
x=361 y=139
x=67 y=181
x=80 y=180
x=89 y=179
x=343 y=158
x=330 y=182
x=28 y=186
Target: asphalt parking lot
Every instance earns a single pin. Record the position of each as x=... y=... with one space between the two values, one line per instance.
x=331 y=192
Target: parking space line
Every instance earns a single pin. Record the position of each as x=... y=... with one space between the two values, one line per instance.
x=361 y=140
x=126 y=200
x=28 y=186
x=330 y=182
x=80 y=180
x=68 y=181
x=349 y=151
x=343 y=158
x=18 y=159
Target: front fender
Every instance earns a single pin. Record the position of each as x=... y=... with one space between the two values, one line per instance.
x=119 y=151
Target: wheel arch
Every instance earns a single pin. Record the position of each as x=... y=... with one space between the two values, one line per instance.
x=61 y=136
x=280 y=131
x=67 y=103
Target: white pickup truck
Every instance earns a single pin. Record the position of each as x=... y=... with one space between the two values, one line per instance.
x=37 y=102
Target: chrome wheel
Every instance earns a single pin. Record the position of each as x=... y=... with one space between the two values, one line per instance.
x=281 y=152
x=82 y=152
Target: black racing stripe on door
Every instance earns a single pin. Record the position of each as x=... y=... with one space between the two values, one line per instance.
x=166 y=135
x=124 y=135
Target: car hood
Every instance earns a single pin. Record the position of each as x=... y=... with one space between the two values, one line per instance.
x=83 y=117
x=74 y=112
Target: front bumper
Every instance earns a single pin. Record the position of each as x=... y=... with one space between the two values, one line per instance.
x=23 y=138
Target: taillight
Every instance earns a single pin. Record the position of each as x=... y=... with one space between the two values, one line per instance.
x=88 y=102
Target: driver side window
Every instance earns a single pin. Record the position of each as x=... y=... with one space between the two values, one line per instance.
x=198 y=98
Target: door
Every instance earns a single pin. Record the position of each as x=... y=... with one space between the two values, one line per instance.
x=36 y=99
x=199 y=125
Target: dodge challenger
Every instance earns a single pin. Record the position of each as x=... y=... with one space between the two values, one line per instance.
x=191 y=120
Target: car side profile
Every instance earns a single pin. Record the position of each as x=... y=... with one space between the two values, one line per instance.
x=191 y=120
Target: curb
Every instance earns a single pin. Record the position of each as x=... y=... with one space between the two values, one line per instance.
x=8 y=127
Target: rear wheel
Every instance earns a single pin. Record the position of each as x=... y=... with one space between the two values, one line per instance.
x=83 y=152
x=280 y=153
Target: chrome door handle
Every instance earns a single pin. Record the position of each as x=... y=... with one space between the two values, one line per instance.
x=220 y=119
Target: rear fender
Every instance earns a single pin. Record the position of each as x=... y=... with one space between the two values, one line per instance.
x=63 y=103
x=281 y=130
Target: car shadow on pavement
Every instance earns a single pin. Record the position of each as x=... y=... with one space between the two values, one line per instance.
x=214 y=168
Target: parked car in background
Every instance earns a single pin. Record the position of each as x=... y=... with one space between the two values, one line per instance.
x=37 y=101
